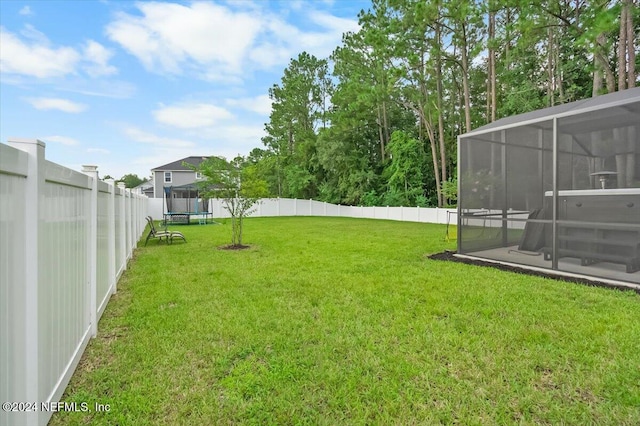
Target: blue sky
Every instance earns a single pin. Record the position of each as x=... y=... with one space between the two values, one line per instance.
x=129 y=86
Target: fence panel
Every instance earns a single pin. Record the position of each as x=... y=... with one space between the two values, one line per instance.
x=120 y=243
x=103 y=283
x=64 y=240
x=292 y=207
x=317 y=208
x=13 y=172
x=63 y=295
x=267 y=207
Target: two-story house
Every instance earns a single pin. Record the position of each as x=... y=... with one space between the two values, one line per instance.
x=176 y=182
x=145 y=188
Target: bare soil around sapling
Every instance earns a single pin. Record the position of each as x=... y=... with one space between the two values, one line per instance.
x=234 y=247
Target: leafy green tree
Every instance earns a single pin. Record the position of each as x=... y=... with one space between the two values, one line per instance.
x=239 y=188
x=405 y=170
x=350 y=170
x=434 y=69
x=131 y=180
x=450 y=189
x=299 y=108
x=264 y=165
x=350 y=151
x=353 y=151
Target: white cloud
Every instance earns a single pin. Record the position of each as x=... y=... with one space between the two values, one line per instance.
x=335 y=23
x=321 y=43
x=281 y=40
x=34 y=56
x=25 y=11
x=64 y=140
x=233 y=139
x=243 y=134
x=31 y=33
x=98 y=58
x=259 y=104
x=269 y=54
x=220 y=42
x=57 y=104
x=144 y=137
x=35 y=59
x=102 y=88
x=168 y=34
x=192 y=116
x=227 y=140
x=296 y=4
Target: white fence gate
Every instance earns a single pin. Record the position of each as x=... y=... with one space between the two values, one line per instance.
x=65 y=239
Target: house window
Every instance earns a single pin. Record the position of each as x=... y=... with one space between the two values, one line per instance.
x=198 y=175
x=167 y=177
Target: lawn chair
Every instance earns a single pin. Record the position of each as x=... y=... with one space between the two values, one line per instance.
x=168 y=235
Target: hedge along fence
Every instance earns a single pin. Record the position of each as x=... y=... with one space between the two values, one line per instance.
x=65 y=240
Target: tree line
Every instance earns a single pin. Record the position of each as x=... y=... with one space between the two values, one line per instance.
x=376 y=123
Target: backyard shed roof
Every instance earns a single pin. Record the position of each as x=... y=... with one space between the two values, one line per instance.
x=599 y=102
x=178 y=165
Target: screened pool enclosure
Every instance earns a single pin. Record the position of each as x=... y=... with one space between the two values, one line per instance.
x=557 y=188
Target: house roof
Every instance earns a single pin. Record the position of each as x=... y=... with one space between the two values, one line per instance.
x=145 y=185
x=599 y=102
x=178 y=165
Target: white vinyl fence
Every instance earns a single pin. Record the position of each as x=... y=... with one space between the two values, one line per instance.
x=294 y=207
x=65 y=239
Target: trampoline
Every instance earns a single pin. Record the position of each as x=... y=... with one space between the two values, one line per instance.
x=184 y=201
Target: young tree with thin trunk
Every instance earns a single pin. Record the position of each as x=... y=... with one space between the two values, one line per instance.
x=238 y=187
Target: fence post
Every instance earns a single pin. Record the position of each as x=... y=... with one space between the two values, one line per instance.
x=129 y=220
x=142 y=203
x=139 y=215
x=34 y=186
x=134 y=218
x=113 y=282
x=145 y=212
x=92 y=172
x=123 y=226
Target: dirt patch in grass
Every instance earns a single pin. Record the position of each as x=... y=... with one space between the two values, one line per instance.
x=234 y=247
x=450 y=256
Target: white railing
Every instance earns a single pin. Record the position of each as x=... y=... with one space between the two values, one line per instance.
x=65 y=239
x=293 y=207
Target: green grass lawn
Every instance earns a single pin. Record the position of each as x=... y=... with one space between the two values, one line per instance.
x=346 y=321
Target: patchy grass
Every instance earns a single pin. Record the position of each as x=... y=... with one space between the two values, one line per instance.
x=346 y=321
